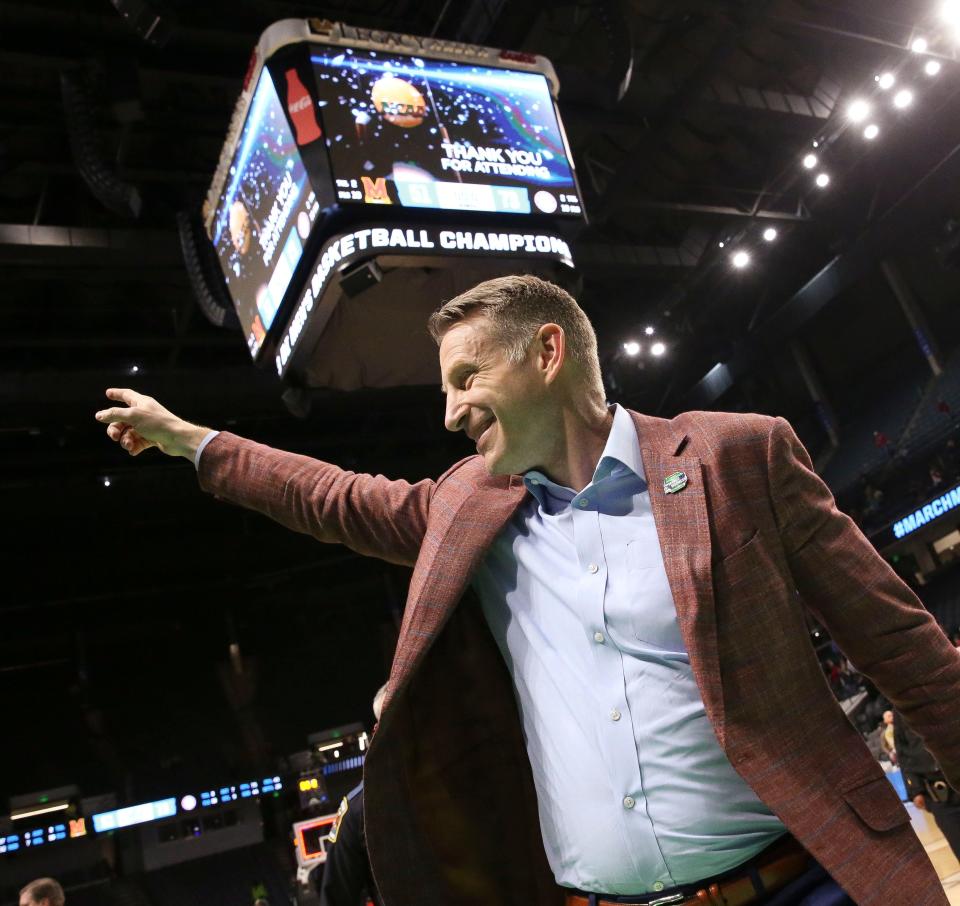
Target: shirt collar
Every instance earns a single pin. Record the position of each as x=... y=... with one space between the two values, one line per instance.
x=621 y=453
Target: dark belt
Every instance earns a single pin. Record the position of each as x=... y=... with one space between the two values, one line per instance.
x=775 y=867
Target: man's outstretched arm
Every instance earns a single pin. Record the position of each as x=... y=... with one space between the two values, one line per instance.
x=370 y=514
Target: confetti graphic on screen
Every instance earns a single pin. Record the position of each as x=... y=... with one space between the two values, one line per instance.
x=440 y=134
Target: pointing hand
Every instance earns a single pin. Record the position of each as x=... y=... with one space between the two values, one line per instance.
x=142 y=423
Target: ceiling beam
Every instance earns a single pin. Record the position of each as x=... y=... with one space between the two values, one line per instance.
x=715 y=209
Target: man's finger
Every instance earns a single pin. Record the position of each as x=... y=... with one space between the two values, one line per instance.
x=115 y=415
x=136 y=444
x=124 y=395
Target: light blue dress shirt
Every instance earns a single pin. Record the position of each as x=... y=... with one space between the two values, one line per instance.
x=634 y=792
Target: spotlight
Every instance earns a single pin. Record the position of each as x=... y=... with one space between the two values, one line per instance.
x=950 y=12
x=886 y=80
x=631 y=347
x=823 y=180
x=648 y=331
x=810 y=161
x=721 y=244
x=188 y=803
x=871 y=132
x=658 y=349
x=770 y=234
x=903 y=99
x=858 y=110
x=919 y=45
x=932 y=68
x=134 y=369
x=740 y=260
x=106 y=482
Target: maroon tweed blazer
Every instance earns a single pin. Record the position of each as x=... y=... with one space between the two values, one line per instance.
x=753 y=539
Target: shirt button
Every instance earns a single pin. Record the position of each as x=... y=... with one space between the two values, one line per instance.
x=629 y=802
x=598 y=637
x=593 y=568
x=658 y=886
x=584 y=503
x=614 y=714
x=534 y=481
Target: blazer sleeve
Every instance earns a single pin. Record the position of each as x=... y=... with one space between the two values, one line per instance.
x=878 y=622
x=370 y=514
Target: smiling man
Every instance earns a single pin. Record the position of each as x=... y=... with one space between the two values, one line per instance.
x=578 y=710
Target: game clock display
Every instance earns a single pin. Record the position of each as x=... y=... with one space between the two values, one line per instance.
x=423 y=133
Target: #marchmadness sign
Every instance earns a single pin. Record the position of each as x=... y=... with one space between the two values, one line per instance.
x=341 y=251
x=936 y=508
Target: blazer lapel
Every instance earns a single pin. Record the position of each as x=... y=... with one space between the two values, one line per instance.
x=684 y=533
x=458 y=549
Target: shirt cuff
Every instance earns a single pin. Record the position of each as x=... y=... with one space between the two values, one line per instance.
x=203 y=445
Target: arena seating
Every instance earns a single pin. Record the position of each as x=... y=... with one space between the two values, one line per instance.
x=887 y=408
x=927 y=423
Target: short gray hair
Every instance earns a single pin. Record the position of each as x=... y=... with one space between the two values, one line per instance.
x=44 y=889
x=516 y=307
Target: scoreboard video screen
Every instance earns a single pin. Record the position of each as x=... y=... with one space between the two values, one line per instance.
x=425 y=133
x=333 y=122
x=264 y=215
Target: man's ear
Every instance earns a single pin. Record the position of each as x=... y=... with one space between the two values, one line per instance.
x=551 y=350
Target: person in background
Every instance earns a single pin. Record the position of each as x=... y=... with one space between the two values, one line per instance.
x=882 y=442
x=925 y=783
x=887 y=741
x=42 y=892
x=347 y=879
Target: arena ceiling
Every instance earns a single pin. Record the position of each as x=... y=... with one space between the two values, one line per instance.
x=688 y=121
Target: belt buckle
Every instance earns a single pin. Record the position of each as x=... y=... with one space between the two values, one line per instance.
x=662 y=901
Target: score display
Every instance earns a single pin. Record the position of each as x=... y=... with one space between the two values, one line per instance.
x=423 y=133
x=264 y=214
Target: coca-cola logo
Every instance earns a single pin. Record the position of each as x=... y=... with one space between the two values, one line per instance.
x=299 y=104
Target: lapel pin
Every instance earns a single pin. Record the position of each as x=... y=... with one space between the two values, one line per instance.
x=675 y=482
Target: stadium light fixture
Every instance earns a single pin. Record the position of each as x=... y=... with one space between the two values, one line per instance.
x=658 y=349
x=950 y=12
x=107 y=482
x=823 y=180
x=810 y=161
x=631 y=347
x=932 y=68
x=648 y=331
x=886 y=80
x=871 y=132
x=770 y=234
x=919 y=45
x=740 y=259
x=903 y=99
x=858 y=110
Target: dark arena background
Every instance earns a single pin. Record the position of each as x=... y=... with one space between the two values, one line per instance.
x=757 y=203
